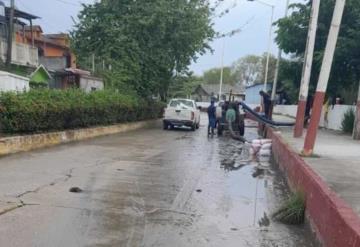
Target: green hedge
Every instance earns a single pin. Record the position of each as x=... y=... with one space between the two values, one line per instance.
x=347 y=123
x=48 y=110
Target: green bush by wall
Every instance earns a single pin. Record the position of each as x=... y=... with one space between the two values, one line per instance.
x=347 y=123
x=49 y=110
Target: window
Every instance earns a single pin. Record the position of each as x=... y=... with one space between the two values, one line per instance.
x=41 y=52
x=179 y=102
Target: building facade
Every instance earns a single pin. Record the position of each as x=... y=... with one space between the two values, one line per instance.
x=252 y=93
x=205 y=92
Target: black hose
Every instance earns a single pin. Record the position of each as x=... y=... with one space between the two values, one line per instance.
x=264 y=119
x=235 y=136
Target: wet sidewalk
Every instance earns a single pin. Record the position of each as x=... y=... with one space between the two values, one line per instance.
x=336 y=160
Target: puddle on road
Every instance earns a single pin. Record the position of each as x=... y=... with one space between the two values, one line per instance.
x=232 y=199
x=253 y=190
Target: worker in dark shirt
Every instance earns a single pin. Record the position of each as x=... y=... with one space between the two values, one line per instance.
x=266 y=101
x=212 y=117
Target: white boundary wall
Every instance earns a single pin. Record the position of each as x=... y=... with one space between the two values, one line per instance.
x=12 y=82
x=89 y=84
x=335 y=115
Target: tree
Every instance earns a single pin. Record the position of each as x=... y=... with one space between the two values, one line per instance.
x=291 y=38
x=146 y=42
x=289 y=78
x=251 y=69
x=212 y=76
x=248 y=69
x=183 y=85
x=272 y=66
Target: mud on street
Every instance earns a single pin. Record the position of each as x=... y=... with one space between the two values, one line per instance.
x=144 y=188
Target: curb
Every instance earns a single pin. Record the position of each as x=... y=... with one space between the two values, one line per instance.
x=335 y=223
x=16 y=144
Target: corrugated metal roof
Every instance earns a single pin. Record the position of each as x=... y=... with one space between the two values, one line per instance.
x=21 y=14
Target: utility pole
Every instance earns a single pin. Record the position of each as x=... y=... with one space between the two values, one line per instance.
x=269 y=48
x=276 y=75
x=356 y=133
x=11 y=31
x=93 y=63
x=307 y=66
x=222 y=69
x=324 y=77
x=269 y=41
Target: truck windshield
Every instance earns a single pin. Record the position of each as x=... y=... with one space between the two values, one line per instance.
x=179 y=102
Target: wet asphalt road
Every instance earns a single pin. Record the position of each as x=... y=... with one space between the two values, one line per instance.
x=145 y=188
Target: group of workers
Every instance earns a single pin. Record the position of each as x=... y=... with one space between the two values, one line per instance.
x=216 y=113
x=232 y=111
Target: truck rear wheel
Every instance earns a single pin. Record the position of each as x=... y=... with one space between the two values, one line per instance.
x=193 y=127
x=242 y=128
x=219 y=130
x=165 y=126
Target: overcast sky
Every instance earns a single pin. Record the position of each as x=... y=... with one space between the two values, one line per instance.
x=252 y=16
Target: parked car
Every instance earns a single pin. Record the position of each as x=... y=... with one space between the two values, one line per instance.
x=182 y=112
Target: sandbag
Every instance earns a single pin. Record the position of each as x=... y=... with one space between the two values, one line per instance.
x=265 y=152
x=266 y=146
x=265 y=141
x=256 y=147
x=263 y=159
x=256 y=141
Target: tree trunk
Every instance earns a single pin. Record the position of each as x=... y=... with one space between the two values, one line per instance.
x=356 y=133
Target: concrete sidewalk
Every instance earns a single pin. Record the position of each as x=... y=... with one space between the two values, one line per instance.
x=337 y=162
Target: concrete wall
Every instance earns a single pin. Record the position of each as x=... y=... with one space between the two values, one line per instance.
x=12 y=82
x=89 y=84
x=334 y=222
x=335 y=115
x=15 y=144
x=288 y=110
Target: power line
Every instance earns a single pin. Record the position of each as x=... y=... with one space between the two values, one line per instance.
x=237 y=30
x=226 y=10
x=24 y=6
x=77 y=4
x=69 y=3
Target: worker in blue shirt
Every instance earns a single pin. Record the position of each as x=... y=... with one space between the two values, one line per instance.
x=212 y=117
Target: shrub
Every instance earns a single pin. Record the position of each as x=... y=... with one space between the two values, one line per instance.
x=347 y=124
x=47 y=110
x=292 y=212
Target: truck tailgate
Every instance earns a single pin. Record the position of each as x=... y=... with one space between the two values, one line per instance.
x=178 y=114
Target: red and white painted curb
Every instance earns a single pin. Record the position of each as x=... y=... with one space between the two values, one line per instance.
x=335 y=223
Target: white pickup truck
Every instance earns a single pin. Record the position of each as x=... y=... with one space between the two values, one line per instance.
x=182 y=112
